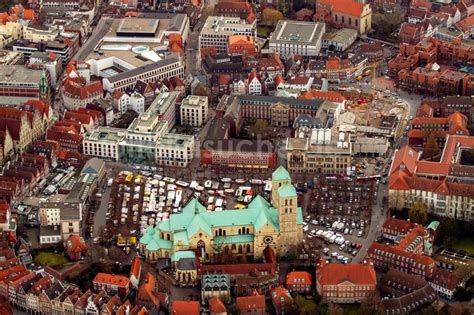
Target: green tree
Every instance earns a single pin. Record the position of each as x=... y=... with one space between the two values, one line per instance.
x=429 y=310
x=271 y=16
x=386 y=24
x=306 y=307
x=449 y=228
x=418 y=213
x=370 y=306
x=396 y=200
x=262 y=129
x=431 y=147
x=202 y=90
x=334 y=309
x=468 y=229
x=462 y=294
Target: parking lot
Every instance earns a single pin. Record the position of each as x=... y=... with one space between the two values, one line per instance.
x=347 y=196
x=338 y=221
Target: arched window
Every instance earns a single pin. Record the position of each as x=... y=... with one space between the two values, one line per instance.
x=248 y=248
x=240 y=231
x=248 y=231
x=240 y=248
x=168 y=237
x=224 y=232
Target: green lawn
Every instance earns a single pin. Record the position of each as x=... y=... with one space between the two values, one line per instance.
x=466 y=244
x=50 y=259
x=350 y=309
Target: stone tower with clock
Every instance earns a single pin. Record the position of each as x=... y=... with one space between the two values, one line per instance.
x=284 y=199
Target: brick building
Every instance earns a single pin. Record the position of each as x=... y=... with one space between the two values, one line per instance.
x=393 y=228
x=345 y=283
x=345 y=13
x=443 y=186
x=112 y=284
x=299 y=282
x=241 y=9
x=253 y=304
x=439 y=127
x=385 y=257
x=241 y=45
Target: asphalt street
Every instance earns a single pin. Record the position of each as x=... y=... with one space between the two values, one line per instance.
x=99 y=32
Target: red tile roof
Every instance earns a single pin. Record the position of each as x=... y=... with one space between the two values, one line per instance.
x=334 y=274
x=224 y=79
x=136 y=267
x=419 y=259
x=28 y=14
x=349 y=7
x=466 y=24
x=274 y=62
x=446 y=279
x=38 y=105
x=106 y=278
x=417 y=231
x=216 y=306
x=401 y=226
x=432 y=168
x=298 y=80
x=429 y=120
x=298 y=277
x=425 y=110
x=451 y=145
x=79 y=89
x=235 y=39
x=83 y=118
x=148 y=291
x=280 y=295
x=74 y=243
x=185 y=308
x=248 y=303
x=405 y=159
x=333 y=64
x=322 y=95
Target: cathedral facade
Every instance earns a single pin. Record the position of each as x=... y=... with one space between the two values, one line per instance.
x=237 y=232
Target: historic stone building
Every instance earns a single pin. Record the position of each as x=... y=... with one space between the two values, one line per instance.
x=238 y=232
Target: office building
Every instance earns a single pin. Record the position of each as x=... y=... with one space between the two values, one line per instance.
x=194 y=111
x=217 y=30
x=297 y=38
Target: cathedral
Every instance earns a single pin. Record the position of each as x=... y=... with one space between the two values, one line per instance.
x=277 y=223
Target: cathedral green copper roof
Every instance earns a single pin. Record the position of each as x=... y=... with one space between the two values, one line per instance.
x=234 y=239
x=195 y=219
x=182 y=254
x=287 y=191
x=281 y=174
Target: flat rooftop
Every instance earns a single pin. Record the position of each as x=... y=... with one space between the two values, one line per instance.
x=175 y=140
x=138 y=26
x=131 y=40
x=17 y=74
x=224 y=25
x=106 y=134
x=297 y=32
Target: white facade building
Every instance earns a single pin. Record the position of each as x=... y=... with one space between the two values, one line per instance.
x=217 y=30
x=255 y=86
x=194 y=110
x=297 y=38
x=175 y=150
x=103 y=142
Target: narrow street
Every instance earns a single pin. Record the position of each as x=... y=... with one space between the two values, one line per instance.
x=376 y=221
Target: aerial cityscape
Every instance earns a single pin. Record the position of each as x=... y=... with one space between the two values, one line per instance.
x=217 y=157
